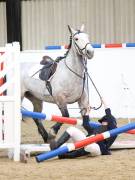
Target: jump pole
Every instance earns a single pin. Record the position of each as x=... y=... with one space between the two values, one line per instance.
x=67 y=120
x=85 y=142
x=37 y=115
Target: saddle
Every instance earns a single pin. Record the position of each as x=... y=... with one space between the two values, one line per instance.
x=48 y=69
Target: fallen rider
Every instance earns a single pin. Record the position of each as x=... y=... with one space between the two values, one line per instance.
x=108 y=122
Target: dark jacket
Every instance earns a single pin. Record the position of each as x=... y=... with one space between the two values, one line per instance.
x=112 y=124
x=105 y=144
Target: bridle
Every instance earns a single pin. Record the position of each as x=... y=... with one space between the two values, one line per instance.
x=78 y=49
x=86 y=75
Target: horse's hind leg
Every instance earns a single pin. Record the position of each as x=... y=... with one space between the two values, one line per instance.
x=38 y=108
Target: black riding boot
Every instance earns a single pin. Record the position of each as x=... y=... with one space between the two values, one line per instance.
x=64 y=138
x=74 y=154
x=86 y=125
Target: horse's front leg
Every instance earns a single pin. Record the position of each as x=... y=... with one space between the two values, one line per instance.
x=85 y=111
x=55 y=128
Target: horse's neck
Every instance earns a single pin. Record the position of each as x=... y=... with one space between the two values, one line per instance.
x=75 y=61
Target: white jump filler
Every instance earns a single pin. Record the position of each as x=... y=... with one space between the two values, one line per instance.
x=10 y=125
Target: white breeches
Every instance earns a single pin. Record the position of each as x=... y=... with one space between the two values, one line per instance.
x=77 y=135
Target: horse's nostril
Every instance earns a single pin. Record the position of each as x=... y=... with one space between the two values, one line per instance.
x=90 y=54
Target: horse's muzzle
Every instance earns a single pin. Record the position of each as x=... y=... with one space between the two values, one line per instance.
x=89 y=54
x=89 y=51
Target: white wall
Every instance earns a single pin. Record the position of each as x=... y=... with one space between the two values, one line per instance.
x=111 y=71
x=45 y=22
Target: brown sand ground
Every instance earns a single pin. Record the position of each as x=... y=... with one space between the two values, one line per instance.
x=119 y=166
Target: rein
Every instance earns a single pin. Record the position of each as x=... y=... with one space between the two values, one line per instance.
x=95 y=108
x=36 y=72
x=87 y=77
x=86 y=74
x=82 y=77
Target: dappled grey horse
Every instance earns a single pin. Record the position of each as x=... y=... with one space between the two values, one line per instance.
x=67 y=85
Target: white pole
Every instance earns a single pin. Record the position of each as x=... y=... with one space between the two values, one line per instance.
x=17 y=103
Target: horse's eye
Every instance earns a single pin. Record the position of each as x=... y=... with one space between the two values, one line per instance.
x=76 y=39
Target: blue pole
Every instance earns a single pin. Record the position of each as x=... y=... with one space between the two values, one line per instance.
x=31 y=114
x=53 y=153
x=122 y=129
x=52 y=47
x=130 y=44
x=64 y=149
x=94 y=124
x=96 y=45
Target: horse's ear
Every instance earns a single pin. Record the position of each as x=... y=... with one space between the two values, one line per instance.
x=82 y=28
x=71 y=30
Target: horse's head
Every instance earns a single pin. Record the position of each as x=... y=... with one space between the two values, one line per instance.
x=81 y=42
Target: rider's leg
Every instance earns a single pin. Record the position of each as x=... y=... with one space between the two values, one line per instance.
x=93 y=148
x=74 y=133
x=77 y=135
x=63 y=138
